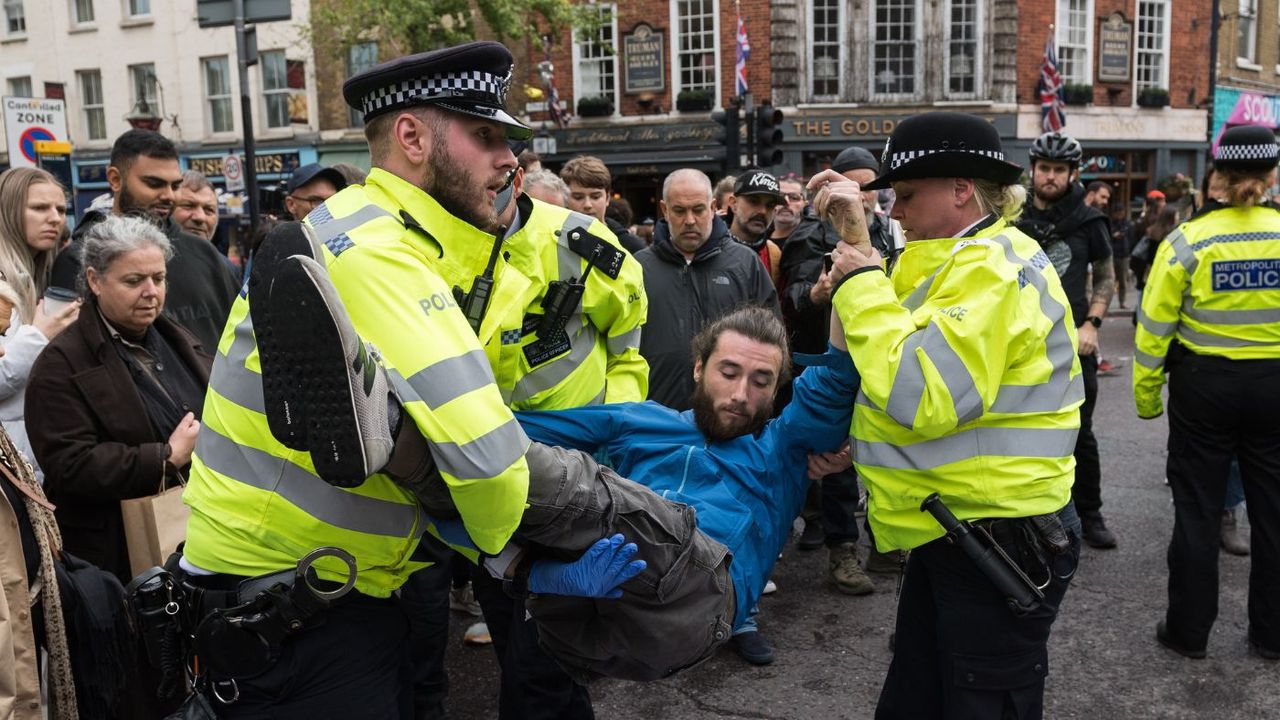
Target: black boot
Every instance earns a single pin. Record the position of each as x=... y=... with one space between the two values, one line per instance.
x=1096 y=534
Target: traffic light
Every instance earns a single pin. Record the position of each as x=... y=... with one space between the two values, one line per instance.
x=768 y=136
x=728 y=135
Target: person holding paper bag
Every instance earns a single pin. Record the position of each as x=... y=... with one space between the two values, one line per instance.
x=115 y=401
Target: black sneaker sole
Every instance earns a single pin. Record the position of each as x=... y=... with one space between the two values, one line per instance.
x=310 y=345
x=284 y=413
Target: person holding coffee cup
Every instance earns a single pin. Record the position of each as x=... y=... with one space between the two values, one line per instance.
x=33 y=221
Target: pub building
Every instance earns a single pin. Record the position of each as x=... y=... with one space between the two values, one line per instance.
x=845 y=72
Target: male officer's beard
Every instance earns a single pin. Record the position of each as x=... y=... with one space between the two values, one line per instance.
x=715 y=430
x=456 y=189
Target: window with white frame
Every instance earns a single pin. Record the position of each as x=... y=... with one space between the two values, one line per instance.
x=360 y=57
x=894 y=47
x=137 y=8
x=824 y=48
x=82 y=12
x=964 y=36
x=20 y=86
x=275 y=88
x=1247 y=32
x=143 y=80
x=95 y=119
x=217 y=92
x=696 y=45
x=1075 y=41
x=595 y=59
x=1152 y=63
x=15 y=18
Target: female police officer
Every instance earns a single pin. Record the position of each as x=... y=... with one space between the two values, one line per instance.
x=1210 y=317
x=970 y=389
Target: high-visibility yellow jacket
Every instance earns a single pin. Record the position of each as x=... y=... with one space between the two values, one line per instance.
x=258 y=507
x=1215 y=287
x=970 y=383
x=602 y=361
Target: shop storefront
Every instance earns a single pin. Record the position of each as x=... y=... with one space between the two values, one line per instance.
x=639 y=156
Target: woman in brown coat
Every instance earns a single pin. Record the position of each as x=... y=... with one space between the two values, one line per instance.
x=113 y=403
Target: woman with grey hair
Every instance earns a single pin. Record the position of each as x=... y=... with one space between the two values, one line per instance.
x=115 y=400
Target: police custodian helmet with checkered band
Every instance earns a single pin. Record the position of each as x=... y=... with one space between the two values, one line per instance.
x=472 y=79
x=1247 y=148
x=1057 y=147
x=944 y=145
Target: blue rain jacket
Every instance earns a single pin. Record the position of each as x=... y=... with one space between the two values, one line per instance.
x=746 y=491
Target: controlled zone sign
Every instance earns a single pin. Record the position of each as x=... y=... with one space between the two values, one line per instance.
x=30 y=120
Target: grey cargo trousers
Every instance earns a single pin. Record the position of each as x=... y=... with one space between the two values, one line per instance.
x=672 y=616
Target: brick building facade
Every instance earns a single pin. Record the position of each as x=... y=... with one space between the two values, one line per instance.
x=1248 y=66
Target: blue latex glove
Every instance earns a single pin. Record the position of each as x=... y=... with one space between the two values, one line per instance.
x=597 y=574
x=453 y=532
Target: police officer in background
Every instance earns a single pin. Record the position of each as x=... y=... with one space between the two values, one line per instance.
x=970 y=389
x=1210 y=318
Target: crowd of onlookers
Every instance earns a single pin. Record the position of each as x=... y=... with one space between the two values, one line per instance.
x=109 y=331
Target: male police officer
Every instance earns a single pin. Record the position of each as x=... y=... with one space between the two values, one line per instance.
x=437 y=129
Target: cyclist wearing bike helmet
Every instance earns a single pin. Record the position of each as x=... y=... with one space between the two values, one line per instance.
x=1075 y=237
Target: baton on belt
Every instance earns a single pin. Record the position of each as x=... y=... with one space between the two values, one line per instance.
x=1020 y=593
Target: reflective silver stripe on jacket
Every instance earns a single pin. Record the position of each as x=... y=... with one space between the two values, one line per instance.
x=1155 y=327
x=317 y=498
x=1058 y=391
x=629 y=340
x=1182 y=252
x=444 y=380
x=908 y=384
x=231 y=379
x=971 y=443
x=1148 y=360
x=1207 y=340
x=328 y=227
x=488 y=456
x=1260 y=316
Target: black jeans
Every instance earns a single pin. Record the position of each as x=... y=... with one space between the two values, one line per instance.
x=355 y=665
x=839 y=507
x=1220 y=408
x=533 y=685
x=425 y=599
x=1087 y=491
x=960 y=652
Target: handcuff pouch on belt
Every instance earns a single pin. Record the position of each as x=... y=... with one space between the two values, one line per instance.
x=235 y=633
x=245 y=639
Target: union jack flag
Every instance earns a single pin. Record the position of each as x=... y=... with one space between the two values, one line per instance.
x=1053 y=115
x=744 y=52
x=547 y=70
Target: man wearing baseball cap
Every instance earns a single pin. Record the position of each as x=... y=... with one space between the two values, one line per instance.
x=755 y=196
x=970 y=391
x=309 y=186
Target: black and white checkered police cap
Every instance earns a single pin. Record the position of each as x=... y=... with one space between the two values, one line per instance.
x=1247 y=148
x=472 y=79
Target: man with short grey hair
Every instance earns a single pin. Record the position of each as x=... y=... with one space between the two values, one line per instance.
x=546 y=186
x=196 y=207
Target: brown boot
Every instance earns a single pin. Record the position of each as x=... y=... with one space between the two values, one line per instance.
x=890 y=563
x=1233 y=541
x=845 y=573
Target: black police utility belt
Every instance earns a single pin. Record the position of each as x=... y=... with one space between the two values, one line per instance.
x=1021 y=577
x=210 y=630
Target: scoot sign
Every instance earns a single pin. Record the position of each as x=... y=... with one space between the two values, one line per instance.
x=28 y=121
